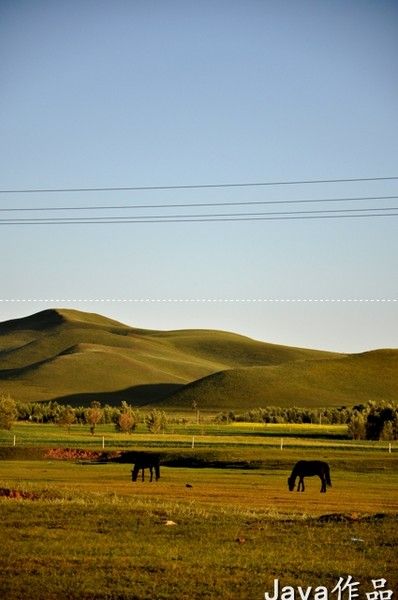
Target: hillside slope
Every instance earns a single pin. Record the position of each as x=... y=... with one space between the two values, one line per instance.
x=76 y=357
x=346 y=381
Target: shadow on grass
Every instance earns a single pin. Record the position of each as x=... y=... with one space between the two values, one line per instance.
x=137 y=395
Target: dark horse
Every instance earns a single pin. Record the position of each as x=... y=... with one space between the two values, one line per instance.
x=146 y=462
x=308 y=468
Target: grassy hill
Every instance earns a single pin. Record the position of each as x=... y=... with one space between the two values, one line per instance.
x=349 y=380
x=77 y=357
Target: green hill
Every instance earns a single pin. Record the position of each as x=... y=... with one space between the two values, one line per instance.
x=346 y=381
x=77 y=357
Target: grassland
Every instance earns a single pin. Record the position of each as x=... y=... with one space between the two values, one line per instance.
x=78 y=357
x=79 y=529
x=87 y=532
x=312 y=383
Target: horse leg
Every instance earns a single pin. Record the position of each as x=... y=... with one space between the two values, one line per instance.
x=323 y=486
x=300 y=487
x=143 y=473
x=151 y=472
x=135 y=473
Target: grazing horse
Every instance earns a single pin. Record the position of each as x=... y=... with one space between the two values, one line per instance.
x=146 y=462
x=308 y=468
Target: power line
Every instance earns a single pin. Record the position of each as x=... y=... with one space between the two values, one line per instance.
x=195 y=186
x=116 y=218
x=194 y=204
x=190 y=219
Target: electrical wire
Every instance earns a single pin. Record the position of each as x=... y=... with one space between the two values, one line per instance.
x=194 y=204
x=195 y=186
x=194 y=216
x=205 y=218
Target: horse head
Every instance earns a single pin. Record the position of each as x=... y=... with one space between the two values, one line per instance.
x=290 y=482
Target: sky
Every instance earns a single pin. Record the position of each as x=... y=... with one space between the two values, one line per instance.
x=97 y=94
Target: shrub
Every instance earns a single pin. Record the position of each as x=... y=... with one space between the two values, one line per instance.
x=156 y=421
x=67 y=417
x=356 y=427
x=127 y=419
x=93 y=415
x=8 y=411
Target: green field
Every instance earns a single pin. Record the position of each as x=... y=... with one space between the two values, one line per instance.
x=83 y=530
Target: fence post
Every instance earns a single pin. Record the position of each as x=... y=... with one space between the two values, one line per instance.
x=389 y=447
x=281 y=443
x=193 y=441
x=15 y=441
x=103 y=441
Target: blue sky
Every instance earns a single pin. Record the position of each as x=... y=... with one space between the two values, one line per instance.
x=100 y=94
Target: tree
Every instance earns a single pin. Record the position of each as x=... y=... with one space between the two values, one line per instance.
x=37 y=413
x=8 y=411
x=67 y=417
x=156 y=421
x=378 y=417
x=128 y=419
x=387 y=433
x=356 y=427
x=94 y=415
x=195 y=408
x=110 y=414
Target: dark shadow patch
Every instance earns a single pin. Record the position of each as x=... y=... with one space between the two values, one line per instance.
x=137 y=395
x=39 y=321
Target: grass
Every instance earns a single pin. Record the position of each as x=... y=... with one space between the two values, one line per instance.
x=262 y=489
x=183 y=435
x=85 y=531
x=343 y=381
x=93 y=534
x=79 y=357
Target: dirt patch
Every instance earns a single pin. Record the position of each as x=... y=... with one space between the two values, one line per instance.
x=18 y=494
x=338 y=518
x=73 y=454
x=43 y=453
x=350 y=517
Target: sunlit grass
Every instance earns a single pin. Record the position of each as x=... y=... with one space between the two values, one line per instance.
x=236 y=433
x=85 y=532
x=94 y=534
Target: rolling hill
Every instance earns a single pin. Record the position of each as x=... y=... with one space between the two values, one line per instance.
x=77 y=357
x=346 y=381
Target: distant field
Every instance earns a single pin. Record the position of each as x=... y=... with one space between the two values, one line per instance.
x=83 y=531
x=182 y=433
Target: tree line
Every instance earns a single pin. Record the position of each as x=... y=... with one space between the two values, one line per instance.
x=372 y=421
x=124 y=417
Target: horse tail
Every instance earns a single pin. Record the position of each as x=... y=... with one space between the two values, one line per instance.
x=157 y=471
x=327 y=475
